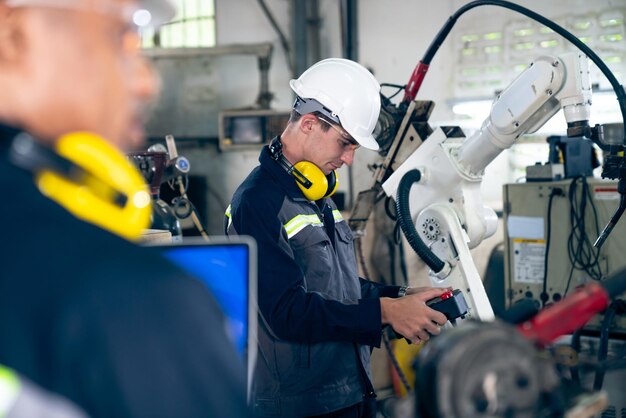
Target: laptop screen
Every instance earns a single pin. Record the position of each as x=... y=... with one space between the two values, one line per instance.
x=227 y=266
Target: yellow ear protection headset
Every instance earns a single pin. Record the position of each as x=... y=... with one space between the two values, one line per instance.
x=90 y=178
x=310 y=179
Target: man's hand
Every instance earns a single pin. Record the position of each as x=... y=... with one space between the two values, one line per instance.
x=415 y=290
x=411 y=317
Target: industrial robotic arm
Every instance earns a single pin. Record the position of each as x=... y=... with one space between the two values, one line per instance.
x=539 y=92
x=438 y=185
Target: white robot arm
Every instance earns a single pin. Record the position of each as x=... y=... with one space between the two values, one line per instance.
x=446 y=205
x=545 y=87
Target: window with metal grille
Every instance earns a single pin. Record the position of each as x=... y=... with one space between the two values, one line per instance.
x=193 y=26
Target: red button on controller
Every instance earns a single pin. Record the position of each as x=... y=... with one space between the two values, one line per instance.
x=446 y=295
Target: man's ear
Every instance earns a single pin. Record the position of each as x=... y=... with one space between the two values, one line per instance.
x=12 y=39
x=307 y=122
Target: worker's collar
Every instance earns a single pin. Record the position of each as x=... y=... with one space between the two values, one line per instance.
x=284 y=179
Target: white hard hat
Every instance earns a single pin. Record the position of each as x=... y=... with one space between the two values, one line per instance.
x=349 y=91
x=161 y=11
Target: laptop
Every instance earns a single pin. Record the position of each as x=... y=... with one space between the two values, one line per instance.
x=228 y=268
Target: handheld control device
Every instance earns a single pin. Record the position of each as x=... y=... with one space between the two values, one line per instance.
x=452 y=304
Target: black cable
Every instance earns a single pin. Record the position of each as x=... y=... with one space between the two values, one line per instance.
x=395 y=94
x=389 y=207
x=396 y=365
x=405 y=273
x=613 y=221
x=397 y=237
x=392 y=247
x=389 y=204
x=575 y=344
x=603 y=349
x=595 y=210
x=388 y=119
x=569 y=280
x=399 y=88
x=408 y=227
x=544 y=295
x=582 y=254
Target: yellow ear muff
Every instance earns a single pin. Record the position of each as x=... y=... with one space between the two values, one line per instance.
x=111 y=194
x=320 y=186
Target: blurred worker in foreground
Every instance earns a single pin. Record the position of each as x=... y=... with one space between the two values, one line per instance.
x=84 y=313
x=22 y=399
x=319 y=320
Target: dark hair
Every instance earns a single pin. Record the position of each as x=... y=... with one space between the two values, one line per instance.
x=295 y=116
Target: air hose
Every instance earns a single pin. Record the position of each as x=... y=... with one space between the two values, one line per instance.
x=406 y=223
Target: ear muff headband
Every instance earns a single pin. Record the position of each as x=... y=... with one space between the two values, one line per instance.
x=333 y=183
x=108 y=190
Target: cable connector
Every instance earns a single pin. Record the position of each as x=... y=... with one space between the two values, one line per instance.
x=557 y=191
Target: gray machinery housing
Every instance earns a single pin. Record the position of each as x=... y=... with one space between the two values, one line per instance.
x=524 y=257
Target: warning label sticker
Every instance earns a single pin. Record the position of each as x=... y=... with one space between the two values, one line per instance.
x=605 y=193
x=528 y=260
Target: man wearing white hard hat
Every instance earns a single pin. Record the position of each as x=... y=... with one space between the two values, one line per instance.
x=319 y=320
x=84 y=312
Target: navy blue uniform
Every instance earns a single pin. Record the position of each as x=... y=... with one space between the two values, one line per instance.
x=110 y=325
x=317 y=318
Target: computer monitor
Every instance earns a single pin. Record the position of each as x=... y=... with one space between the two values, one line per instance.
x=228 y=267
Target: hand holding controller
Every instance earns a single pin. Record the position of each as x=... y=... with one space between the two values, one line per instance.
x=452 y=304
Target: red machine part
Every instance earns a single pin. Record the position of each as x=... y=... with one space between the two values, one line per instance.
x=413 y=86
x=566 y=316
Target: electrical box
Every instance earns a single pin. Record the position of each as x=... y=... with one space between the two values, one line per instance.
x=526 y=226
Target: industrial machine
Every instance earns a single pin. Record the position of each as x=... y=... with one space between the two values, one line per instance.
x=435 y=176
x=451 y=217
x=549 y=232
x=495 y=370
x=160 y=165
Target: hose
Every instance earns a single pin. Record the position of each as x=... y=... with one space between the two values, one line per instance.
x=406 y=223
x=575 y=344
x=603 y=349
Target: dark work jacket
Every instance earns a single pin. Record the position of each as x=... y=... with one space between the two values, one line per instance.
x=110 y=325
x=317 y=319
